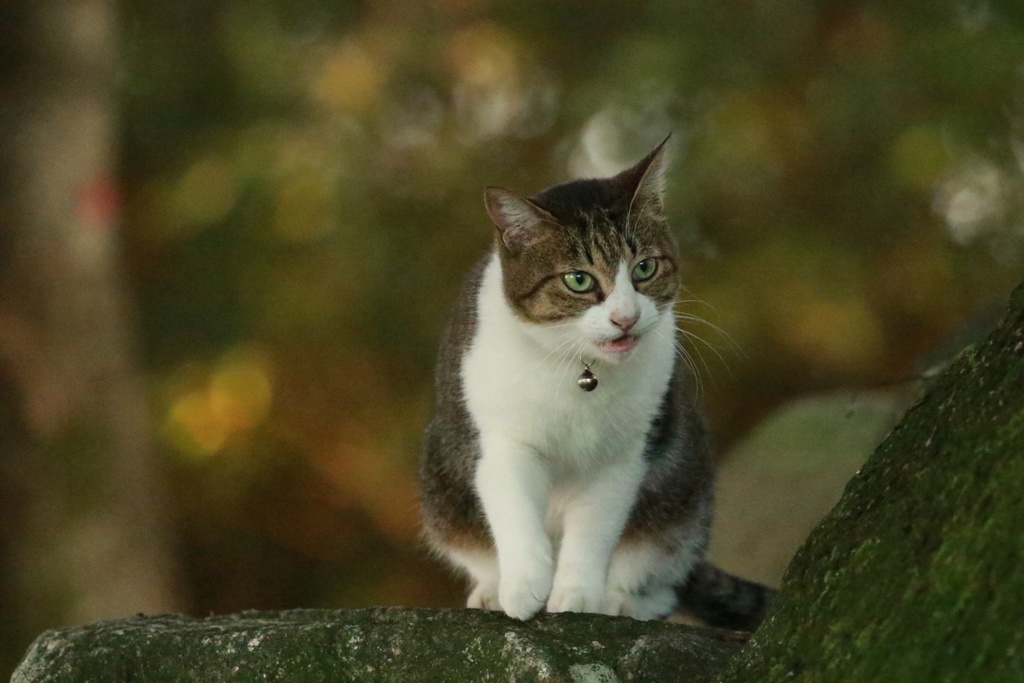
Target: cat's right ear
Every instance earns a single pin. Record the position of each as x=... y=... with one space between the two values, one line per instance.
x=520 y=222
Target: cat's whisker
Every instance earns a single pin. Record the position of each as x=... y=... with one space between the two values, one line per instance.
x=554 y=326
x=698 y=378
x=696 y=337
x=691 y=317
x=684 y=356
x=563 y=369
x=688 y=317
x=563 y=356
x=560 y=350
x=696 y=349
x=567 y=339
x=566 y=362
x=700 y=302
x=691 y=359
x=695 y=357
x=574 y=357
x=696 y=299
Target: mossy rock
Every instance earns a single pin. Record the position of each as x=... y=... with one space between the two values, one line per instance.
x=918 y=572
x=383 y=644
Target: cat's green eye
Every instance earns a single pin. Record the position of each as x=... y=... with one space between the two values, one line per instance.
x=579 y=281
x=645 y=270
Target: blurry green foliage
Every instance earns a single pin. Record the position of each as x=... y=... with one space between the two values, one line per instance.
x=302 y=195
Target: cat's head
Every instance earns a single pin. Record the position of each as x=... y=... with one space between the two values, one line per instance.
x=590 y=265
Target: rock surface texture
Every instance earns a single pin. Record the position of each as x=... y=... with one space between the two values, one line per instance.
x=383 y=644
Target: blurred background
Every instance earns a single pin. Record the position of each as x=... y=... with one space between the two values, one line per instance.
x=230 y=232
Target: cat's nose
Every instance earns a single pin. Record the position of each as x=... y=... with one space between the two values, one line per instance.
x=624 y=322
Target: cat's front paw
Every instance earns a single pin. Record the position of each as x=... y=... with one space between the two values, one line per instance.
x=484 y=596
x=523 y=592
x=577 y=597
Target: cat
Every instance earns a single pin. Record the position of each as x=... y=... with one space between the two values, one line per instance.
x=560 y=499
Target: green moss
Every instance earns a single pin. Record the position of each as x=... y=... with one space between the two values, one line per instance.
x=916 y=575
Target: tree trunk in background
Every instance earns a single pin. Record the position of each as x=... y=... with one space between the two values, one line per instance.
x=83 y=523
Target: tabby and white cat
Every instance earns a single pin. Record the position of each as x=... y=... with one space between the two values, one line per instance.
x=554 y=498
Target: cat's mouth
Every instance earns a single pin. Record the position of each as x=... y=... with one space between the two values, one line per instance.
x=626 y=342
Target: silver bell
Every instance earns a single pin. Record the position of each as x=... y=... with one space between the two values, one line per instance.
x=587 y=381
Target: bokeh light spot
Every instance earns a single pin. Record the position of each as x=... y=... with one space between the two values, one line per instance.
x=304 y=209
x=972 y=199
x=350 y=79
x=840 y=336
x=919 y=156
x=206 y=192
x=234 y=398
x=498 y=91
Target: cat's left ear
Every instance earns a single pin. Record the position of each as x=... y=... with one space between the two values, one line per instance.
x=647 y=178
x=520 y=222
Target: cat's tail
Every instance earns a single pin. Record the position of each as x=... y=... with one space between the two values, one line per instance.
x=720 y=599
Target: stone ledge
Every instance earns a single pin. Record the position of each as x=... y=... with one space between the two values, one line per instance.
x=378 y=644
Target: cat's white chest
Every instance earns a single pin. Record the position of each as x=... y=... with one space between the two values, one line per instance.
x=522 y=392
